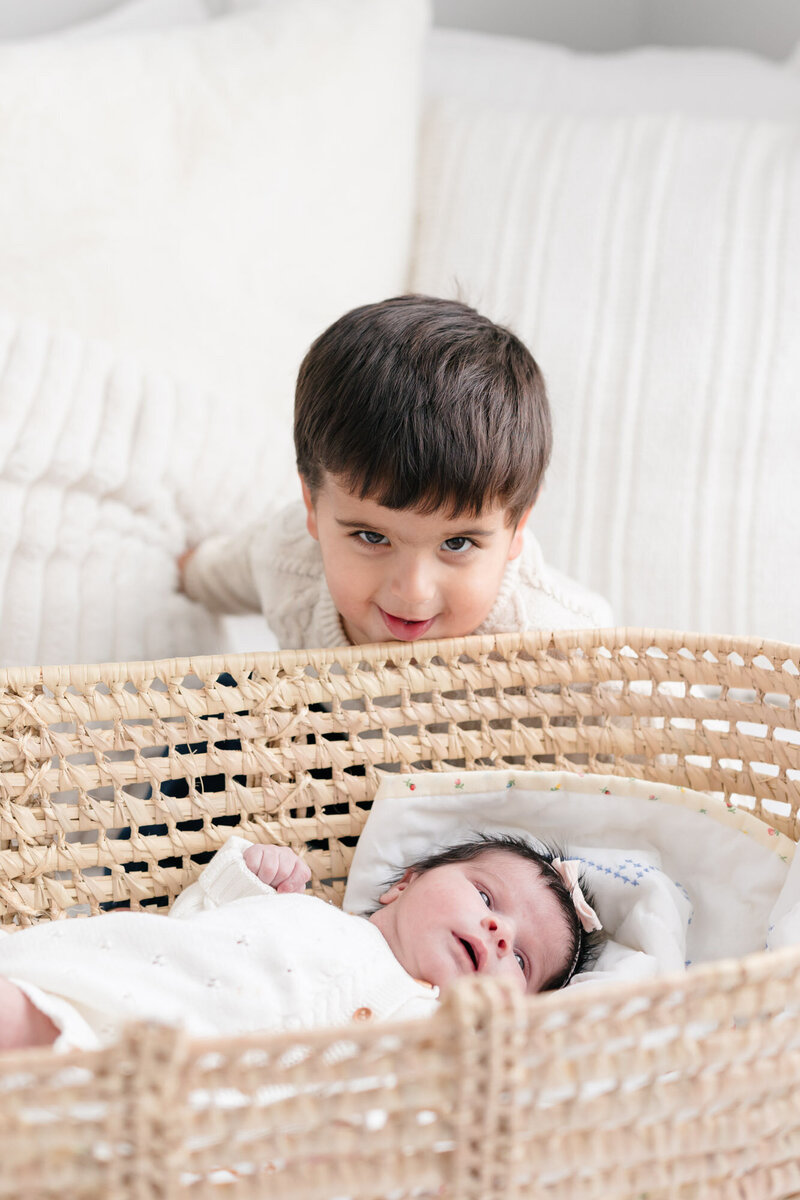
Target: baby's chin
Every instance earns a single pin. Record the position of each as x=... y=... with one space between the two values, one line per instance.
x=443 y=975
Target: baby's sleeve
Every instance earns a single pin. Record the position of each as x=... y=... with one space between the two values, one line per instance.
x=227 y=877
x=219 y=574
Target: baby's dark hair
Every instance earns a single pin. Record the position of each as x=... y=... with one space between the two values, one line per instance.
x=584 y=946
x=422 y=403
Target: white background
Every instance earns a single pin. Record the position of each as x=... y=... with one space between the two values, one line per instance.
x=770 y=27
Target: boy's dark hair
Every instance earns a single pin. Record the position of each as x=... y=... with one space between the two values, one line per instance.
x=584 y=946
x=418 y=402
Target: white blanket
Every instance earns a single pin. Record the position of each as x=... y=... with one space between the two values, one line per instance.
x=679 y=876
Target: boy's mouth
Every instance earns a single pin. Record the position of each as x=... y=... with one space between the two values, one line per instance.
x=405 y=631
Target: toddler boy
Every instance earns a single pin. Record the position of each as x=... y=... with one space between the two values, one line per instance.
x=422 y=432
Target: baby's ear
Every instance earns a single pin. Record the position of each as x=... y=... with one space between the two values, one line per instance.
x=397 y=889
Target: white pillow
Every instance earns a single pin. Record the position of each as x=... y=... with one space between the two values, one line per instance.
x=211 y=198
x=520 y=73
x=653 y=267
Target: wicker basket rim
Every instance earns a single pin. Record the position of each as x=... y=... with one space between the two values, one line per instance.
x=636 y=638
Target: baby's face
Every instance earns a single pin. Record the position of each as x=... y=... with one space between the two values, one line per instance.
x=399 y=575
x=494 y=915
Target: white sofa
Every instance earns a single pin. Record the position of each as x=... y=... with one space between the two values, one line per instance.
x=186 y=202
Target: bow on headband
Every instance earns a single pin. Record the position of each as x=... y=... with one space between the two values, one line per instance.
x=568 y=873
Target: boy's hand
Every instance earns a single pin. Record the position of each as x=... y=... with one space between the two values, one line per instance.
x=278 y=866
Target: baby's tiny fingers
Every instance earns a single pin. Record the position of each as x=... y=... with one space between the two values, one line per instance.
x=297 y=880
x=263 y=861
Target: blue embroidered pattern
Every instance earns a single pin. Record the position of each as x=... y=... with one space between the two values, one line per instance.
x=628 y=871
x=688 y=899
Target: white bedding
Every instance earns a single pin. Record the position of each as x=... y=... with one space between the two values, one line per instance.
x=679 y=876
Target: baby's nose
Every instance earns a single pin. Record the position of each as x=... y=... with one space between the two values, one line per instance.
x=499 y=932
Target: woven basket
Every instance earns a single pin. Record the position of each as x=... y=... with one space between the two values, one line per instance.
x=116 y=782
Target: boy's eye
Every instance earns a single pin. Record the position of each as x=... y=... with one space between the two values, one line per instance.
x=485 y=898
x=372 y=538
x=520 y=959
x=457 y=545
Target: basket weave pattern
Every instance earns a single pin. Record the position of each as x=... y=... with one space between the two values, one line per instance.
x=117 y=782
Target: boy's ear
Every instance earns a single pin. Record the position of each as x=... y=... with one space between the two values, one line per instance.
x=517 y=541
x=397 y=889
x=311 y=516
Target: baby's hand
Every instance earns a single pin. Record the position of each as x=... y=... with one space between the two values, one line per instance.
x=278 y=866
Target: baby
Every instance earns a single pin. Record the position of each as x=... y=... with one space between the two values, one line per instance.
x=422 y=433
x=243 y=950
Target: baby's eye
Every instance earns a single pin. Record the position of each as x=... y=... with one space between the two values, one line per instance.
x=457 y=545
x=520 y=959
x=372 y=538
x=485 y=898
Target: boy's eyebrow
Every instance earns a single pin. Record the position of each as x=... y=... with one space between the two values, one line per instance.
x=353 y=524
x=461 y=532
x=474 y=532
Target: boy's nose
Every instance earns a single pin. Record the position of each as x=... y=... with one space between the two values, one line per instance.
x=413 y=583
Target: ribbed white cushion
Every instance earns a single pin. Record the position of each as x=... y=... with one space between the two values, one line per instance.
x=653 y=267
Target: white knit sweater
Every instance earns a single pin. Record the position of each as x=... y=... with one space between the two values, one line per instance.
x=275 y=565
x=252 y=960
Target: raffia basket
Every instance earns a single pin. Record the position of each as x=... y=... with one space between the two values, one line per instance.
x=116 y=783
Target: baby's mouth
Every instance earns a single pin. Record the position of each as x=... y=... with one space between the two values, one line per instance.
x=470 y=949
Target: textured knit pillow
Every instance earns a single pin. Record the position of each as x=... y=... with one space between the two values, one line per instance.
x=107 y=471
x=653 y=267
